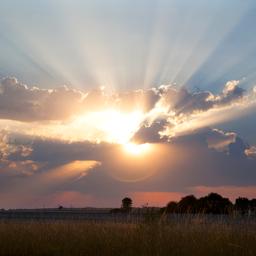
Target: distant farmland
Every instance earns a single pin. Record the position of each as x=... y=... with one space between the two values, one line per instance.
x=106 y=215
x=79 y=232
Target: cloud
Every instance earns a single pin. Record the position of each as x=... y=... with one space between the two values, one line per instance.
x=11 y=148
x=14 y=157
x=180 y=111
x=211 y=143
x=19 y=168
x=231 y=92
x=52 y=130
x=19 y=102
x=251 y=152
x=220 y=140
x=208 y=157
x=150 y=133
x=238 y=148
x=23 y=103
x=181 y=101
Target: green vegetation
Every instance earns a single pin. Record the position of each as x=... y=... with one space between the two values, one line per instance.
x=193 y=237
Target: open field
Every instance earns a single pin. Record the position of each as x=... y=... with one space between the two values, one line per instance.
x=197 y=236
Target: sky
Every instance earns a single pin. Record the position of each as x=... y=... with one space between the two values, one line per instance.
x=102 y=99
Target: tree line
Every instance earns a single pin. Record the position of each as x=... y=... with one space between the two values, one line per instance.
x=213 y=203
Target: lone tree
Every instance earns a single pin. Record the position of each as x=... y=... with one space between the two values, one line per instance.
x=126 y=204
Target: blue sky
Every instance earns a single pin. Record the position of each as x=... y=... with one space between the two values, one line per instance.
x=128 y=44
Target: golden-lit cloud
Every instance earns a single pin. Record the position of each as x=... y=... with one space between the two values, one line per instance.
x=70 y=171
x=251 y=152
x=73 y=115
x=143 y=140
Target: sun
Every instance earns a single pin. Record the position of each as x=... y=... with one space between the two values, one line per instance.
x=136 y=149
x=109 y=125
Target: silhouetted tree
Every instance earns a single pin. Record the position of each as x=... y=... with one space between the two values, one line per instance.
x=187 y=204
x=171 y=207
x=126 y=204
x=215 y=204
x=253 y=205
x=242 y=205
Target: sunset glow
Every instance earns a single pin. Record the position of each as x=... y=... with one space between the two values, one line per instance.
x=110 y=125
x=102 y=99
x=137 y=149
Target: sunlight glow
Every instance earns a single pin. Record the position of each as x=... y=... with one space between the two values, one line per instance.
x=112 y=125
x=136 y=149
x=71 y=171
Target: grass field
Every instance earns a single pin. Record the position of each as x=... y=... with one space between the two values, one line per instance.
x=151 y=238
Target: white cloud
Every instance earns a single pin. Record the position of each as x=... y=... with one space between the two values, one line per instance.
x=23 y=103
x=19 y=102
x=251 y=152
x=220 y=140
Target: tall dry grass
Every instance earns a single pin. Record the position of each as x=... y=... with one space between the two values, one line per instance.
x=73 y=238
